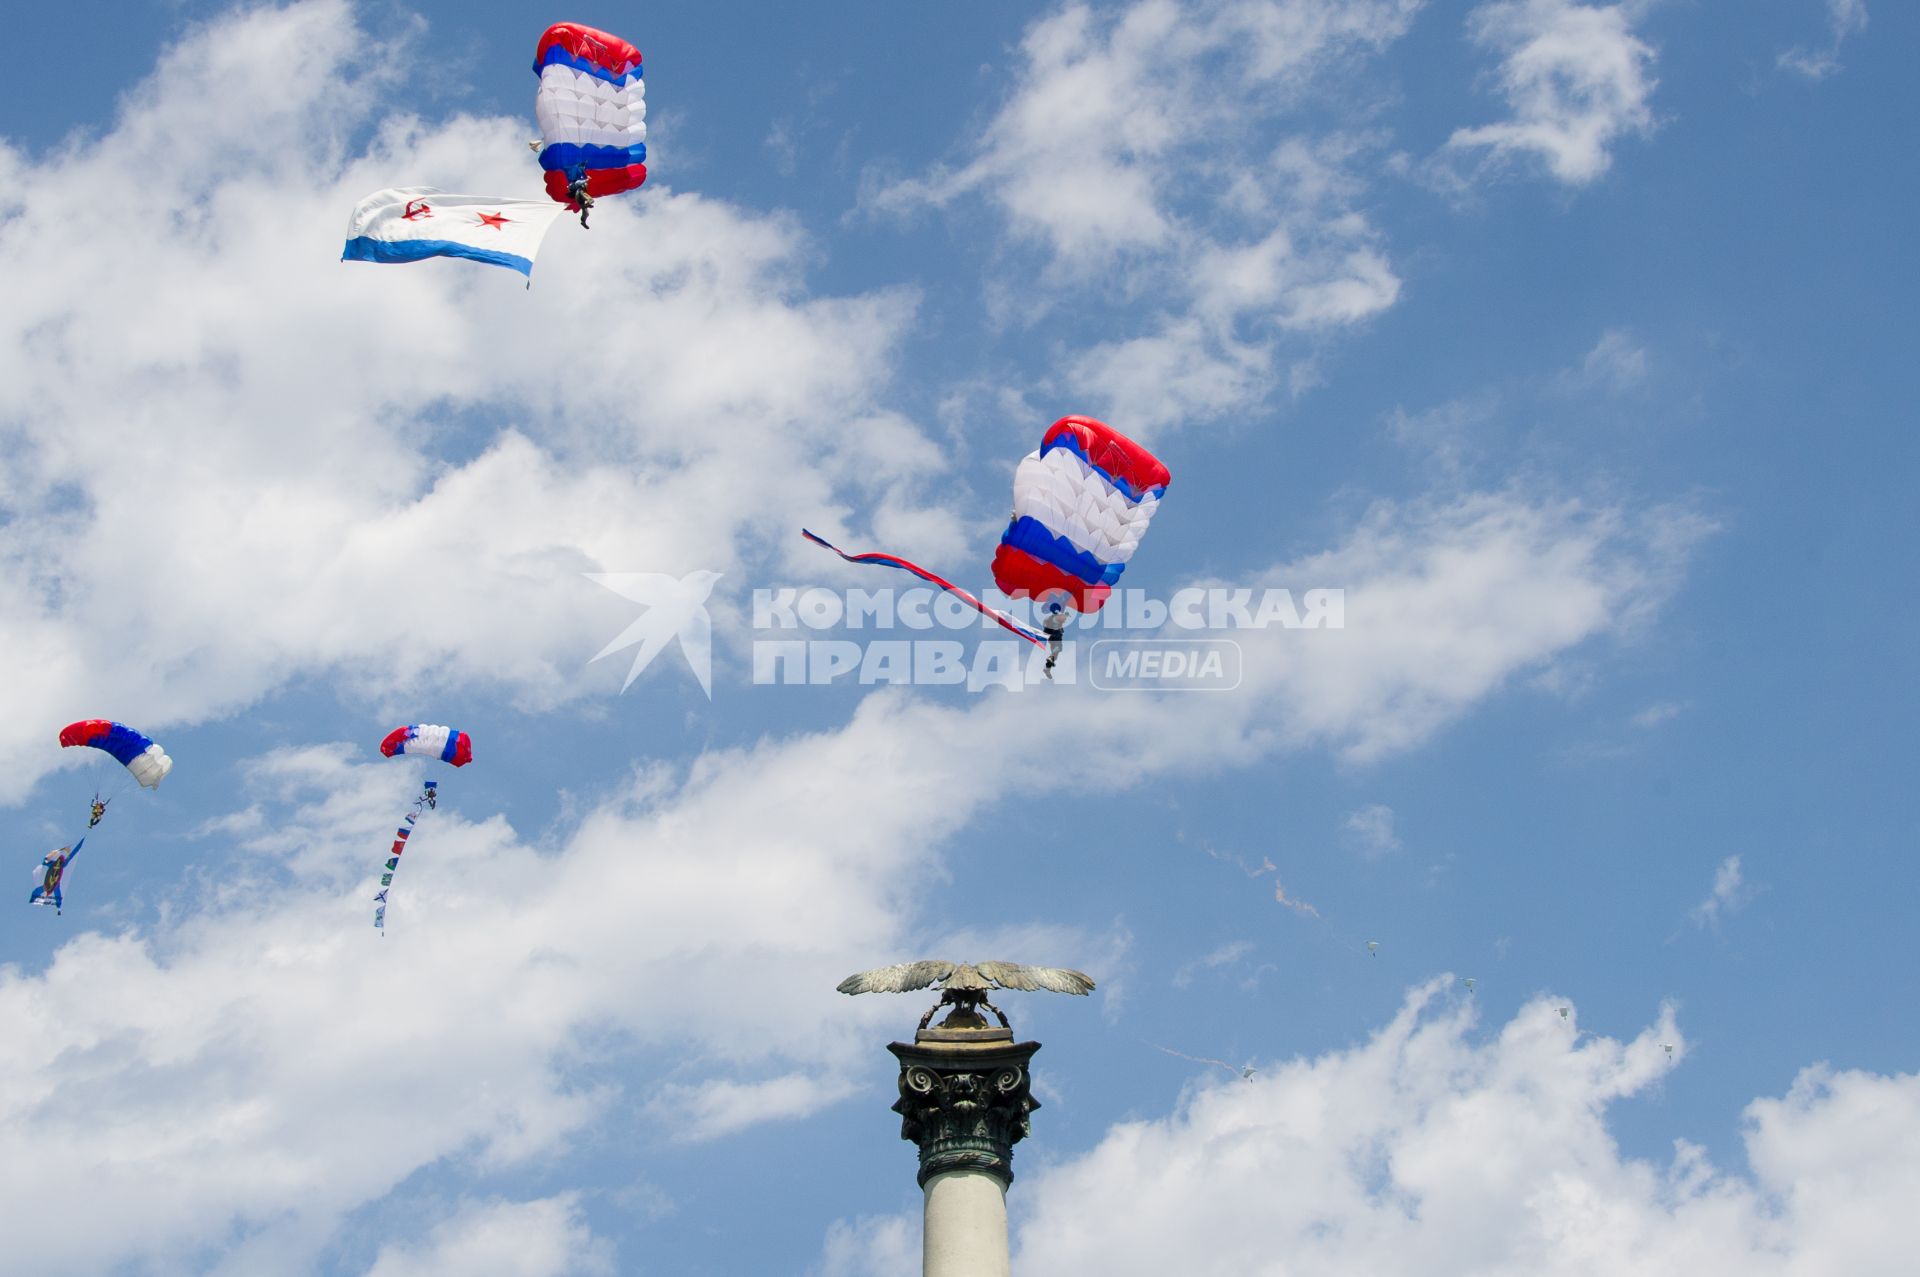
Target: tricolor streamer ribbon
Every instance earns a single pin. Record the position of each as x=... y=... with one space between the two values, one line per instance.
x=428 y=798
x=1006 y=622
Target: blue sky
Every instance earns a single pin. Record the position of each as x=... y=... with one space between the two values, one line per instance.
x=1572 y=341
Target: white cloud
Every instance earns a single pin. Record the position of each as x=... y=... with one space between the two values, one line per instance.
x=234 y=460
x=1658 y=713
x=1574 y=75
x=873 y=1246
x=1451 y=433
x=1301 y=907
x=1448 y=600
x=1616 y=362
x=212 y=1077
x=1728 y=895
x=708 y=1110
x=545 y=1238
x=1225 y=956
x=1433 y=1149
x=1137 y=149
x=1371 y=830
x=1844 y=18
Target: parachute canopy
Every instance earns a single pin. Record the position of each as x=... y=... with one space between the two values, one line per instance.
x=134 y=750
x=48 y=874
x=445 y=743
x=592 y=108
x=1080 y=506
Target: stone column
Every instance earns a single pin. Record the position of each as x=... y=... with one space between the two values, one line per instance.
x=964 y=1102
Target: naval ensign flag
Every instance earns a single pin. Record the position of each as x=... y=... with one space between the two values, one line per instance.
x=407 y=223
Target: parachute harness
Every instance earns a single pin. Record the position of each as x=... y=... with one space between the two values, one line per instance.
x=577 y=194
x=1055 y=624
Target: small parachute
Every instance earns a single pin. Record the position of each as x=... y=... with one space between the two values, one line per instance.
x=1667 y=1047
x=428 y=740
x=135 y=750
x=448 y=744
x=1470 y=984
x=1080 y=506
x=592 y=108
x=1373 y=947
x=1563 y=1012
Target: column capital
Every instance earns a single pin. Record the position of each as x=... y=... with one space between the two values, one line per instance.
x=964 y=1099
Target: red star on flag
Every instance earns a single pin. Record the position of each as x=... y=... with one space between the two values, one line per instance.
x=494 y=220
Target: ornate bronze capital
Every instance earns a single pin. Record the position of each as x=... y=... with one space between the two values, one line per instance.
x=964 y=1099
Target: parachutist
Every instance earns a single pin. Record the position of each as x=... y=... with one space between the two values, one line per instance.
x=1055 y=624
x=577 y=194
x=99 y=810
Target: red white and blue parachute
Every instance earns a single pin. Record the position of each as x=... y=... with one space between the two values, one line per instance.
x=429 y=740
x=592 y=108
x=1080 y=506
x=447 y=744
x=134 y=750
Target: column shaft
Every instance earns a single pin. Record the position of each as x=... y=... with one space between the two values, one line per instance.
x=966 y=1226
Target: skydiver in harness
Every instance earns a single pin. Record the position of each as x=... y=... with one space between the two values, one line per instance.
x=577 y=194
x=99 y=810
x=1053 y=619
x=1056 y=628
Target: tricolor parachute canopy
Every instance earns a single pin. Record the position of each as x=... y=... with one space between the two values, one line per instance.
x=447 y=744
x=592 y=108
x=1080 y=506
x=134 y=750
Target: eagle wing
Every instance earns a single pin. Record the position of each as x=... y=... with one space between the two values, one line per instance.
x=901 y=977
x=1014 y=975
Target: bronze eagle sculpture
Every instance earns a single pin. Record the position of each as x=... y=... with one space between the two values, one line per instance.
x=965 y=985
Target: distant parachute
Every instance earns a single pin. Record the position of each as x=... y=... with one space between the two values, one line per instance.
x=1563 y=1012
x=1373 y=947
x=592 y=108
x=429 y=740
x=445 y=743
x=145 y=761
x=1470 y=983
x=135 y=750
